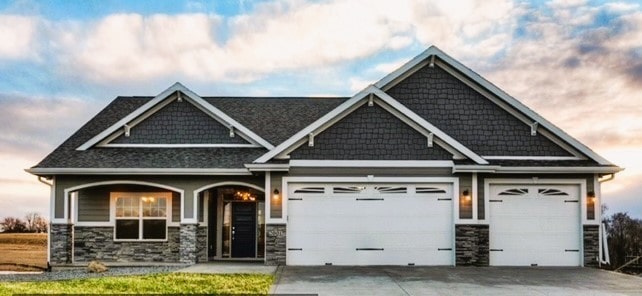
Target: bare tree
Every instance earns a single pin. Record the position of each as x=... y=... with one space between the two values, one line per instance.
x=13 y=224
x=34 y=222
x=625 y=237
x=40 y=224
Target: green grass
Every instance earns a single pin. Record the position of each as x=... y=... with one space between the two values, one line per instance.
x=170 y=283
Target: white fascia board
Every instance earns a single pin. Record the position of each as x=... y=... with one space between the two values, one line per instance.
x=372 y=163
x=561 y=170
x=475 y=168
x=137 y=171
x=162 y=96
x=428 y=126
x=314 y=126
x=369 y=179
x=267 y=167
x=181 y=145
x=531 y=158
x=433 y=50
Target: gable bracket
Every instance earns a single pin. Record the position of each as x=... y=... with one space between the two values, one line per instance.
x=179 y=98
x=127 y=130
x=311 y=140
x=370 y=100
x=430 y=138
x=432 y=61
x=534 y=128
x=231 y=132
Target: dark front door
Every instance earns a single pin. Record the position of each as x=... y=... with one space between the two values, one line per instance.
x=243 y=229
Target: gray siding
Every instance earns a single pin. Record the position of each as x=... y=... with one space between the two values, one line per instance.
x=179 y=123
x=93 y=205
x=371 y=133
x=467 y=116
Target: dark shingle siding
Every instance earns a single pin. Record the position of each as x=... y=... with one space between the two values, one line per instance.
x=179 y=123
x=370 y=133
x=468 y=117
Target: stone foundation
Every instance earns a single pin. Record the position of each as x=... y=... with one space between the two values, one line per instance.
x=188 y=243
x=61 y=239
x=275 y=244
x=201 y=244
x=591 y=245
x=471 y=245
x=97 y=243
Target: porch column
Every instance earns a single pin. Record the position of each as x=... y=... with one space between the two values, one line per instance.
x=189 y=227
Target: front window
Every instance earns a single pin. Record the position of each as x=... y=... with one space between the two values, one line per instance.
x=141 y=215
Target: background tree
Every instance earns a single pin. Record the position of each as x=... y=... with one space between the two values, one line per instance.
x=624 y=237
x=13 y=225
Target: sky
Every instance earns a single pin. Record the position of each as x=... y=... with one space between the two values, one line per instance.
x=576 y=62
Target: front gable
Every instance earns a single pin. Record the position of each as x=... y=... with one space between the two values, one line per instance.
x=370 y=133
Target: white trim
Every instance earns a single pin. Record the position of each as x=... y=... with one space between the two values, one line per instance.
x=535 y=181
x=475 y=198
x=179 y=145
x=199 y=103
x=267 y=167
x=532 y=157
x=139 y=171
x=413 y=65
x=373 y=163
x=527 y=170
x=202 y=188
x=391 y=105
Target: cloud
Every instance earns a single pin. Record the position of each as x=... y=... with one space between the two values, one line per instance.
x=18 y=37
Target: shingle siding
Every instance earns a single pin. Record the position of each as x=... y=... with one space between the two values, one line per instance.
x=179 y=123
x=371 y=133
x=469 y=117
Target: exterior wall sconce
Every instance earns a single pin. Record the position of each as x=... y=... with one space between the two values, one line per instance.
x=591 y=197
x=275 y=194
x=466 y=195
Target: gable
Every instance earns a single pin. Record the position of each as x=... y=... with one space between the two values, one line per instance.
x=469 y=117
x=370 y=133
x=179 y=122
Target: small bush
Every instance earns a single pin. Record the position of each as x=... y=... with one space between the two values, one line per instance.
x=96 y=267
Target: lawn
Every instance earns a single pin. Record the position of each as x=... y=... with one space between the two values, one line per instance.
x=169 y=283
x=22 y=248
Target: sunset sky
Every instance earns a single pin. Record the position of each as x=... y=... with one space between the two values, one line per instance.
x=578 y=63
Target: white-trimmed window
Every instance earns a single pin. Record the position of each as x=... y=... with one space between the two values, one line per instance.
x=141 y=215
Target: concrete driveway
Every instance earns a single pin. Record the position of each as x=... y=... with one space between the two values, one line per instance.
x=336 y=280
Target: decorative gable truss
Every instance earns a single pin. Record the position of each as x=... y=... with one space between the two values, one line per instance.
x=434 y=57
x=373 y=96
x=192 y=122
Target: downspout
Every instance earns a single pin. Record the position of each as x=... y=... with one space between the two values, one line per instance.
x=44 y=181
x=604 y=257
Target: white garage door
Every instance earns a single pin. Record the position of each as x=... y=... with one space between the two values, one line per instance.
x=534 y=225
x=370 y=224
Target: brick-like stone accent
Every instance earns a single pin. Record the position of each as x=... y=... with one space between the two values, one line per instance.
x=371 y=133
x=275 y=244
x=188 y=243
x=591 y=245
x=97 y=243
x=60 y=243
x=201 y=244
x=179 y=123
x=471 y=245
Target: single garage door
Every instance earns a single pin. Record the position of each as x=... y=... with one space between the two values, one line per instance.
x=370 y=224
x=534 y=225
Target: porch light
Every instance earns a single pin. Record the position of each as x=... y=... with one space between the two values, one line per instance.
x=275 y=194
x=466 y=195
x=591 y=197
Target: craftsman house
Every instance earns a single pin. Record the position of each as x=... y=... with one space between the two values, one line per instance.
x=431 y=165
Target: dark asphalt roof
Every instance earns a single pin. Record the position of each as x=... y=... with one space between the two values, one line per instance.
x=274 y=119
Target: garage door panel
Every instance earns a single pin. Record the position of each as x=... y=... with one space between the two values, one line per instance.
x=537 y=226
x=402 y=228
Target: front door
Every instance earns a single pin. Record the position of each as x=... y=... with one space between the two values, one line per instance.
x=243 y=229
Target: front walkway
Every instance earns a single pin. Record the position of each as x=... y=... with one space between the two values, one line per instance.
x=230 y=267
x=495 y=281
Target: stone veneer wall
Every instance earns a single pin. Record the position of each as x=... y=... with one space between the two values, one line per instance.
x=591 y=245
x=471 y=245
x=188 y=243
x=201 y=244
x=275 y=244
x=97 y=243
x=60 y=243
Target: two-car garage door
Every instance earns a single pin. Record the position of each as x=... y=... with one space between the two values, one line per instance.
x=534 y=225
x=370 y=224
